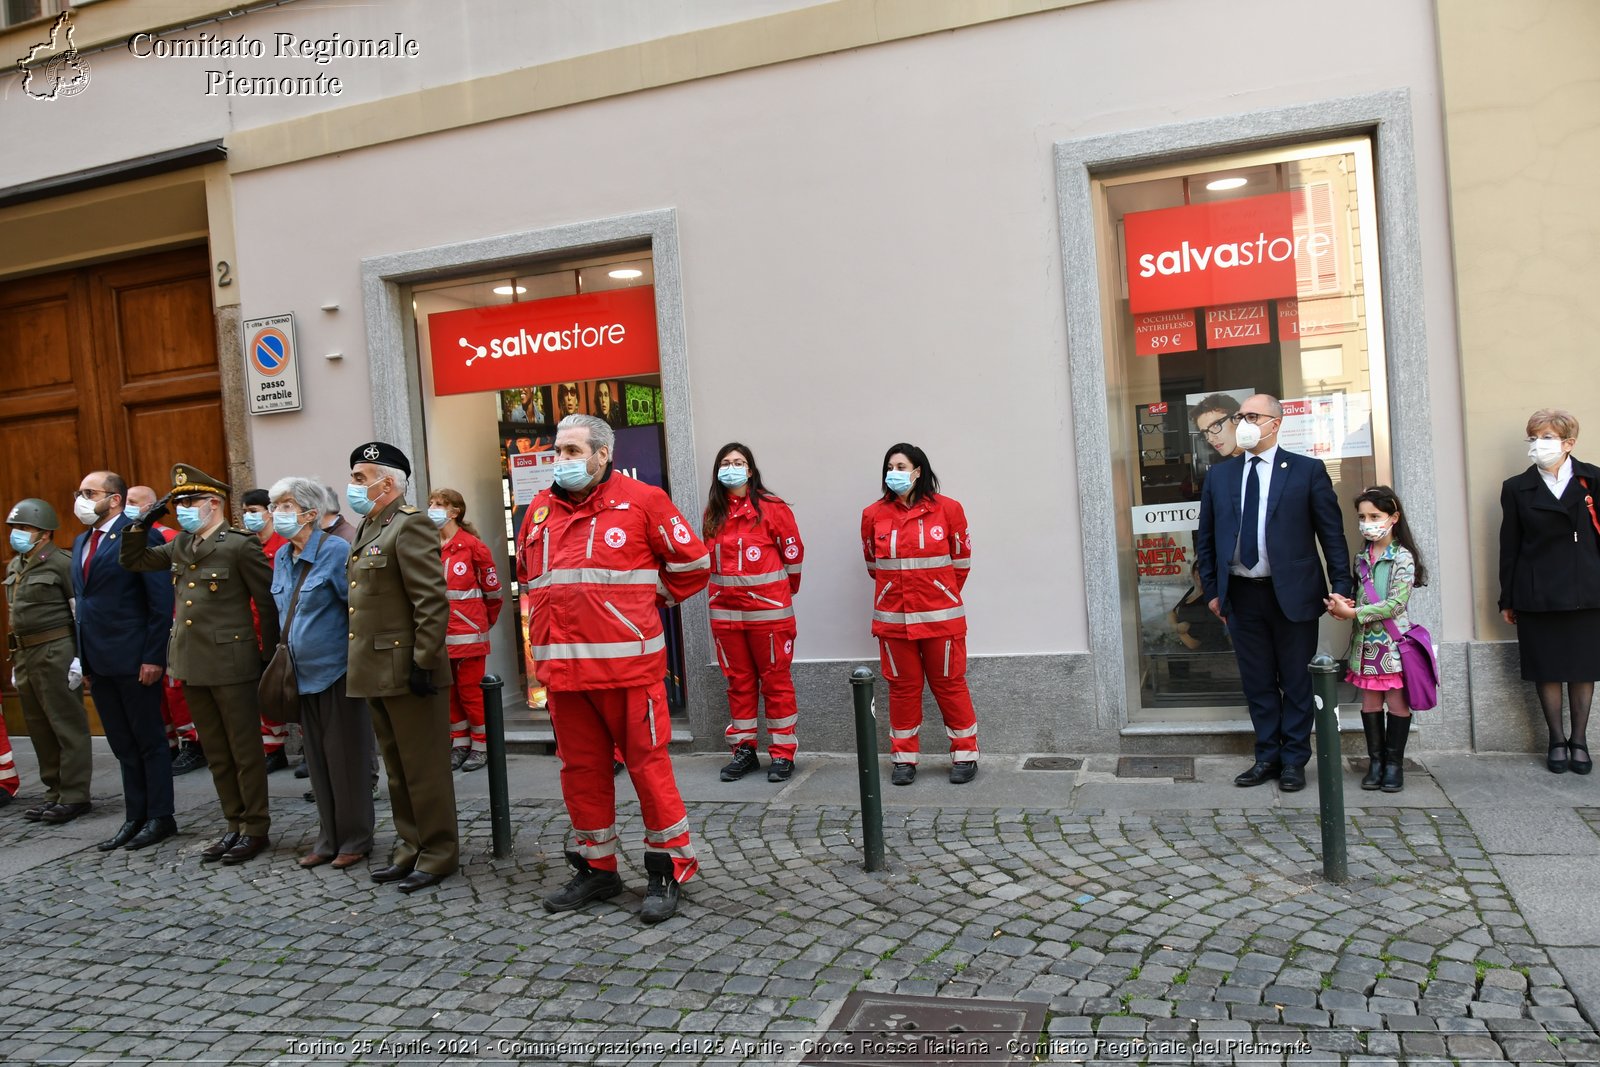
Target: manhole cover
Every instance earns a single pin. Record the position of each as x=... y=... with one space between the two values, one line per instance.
x=1178 y=768
x=1052 y=763
x=873 y=1029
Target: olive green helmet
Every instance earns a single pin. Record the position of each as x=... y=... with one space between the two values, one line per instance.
x=33 y=512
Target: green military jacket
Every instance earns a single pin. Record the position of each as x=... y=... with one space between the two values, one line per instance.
x=398 y=607
x=39 y=590
x=215 y=579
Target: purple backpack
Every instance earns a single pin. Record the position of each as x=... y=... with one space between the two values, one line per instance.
x=1418 y=666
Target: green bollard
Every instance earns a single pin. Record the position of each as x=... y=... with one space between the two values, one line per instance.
x=494 y=727
x=1330 y=768
x=861 y=683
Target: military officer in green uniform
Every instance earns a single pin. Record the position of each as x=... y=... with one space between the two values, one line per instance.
x=39 y=595
x=217 y=573
x=398 y=615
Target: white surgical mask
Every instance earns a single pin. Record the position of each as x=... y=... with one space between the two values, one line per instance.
x=1545 y=451
x=85 y=510
x=1247 y=435
x=1372 y=531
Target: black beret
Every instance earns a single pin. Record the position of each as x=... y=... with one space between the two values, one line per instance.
x=383 y=454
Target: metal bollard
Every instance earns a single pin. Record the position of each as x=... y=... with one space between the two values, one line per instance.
x=494 y=727
x=861 y=685
x=1330 y=767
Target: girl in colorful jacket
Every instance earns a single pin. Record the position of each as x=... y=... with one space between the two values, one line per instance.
x=756 y=555
x=918 y=552
x=475 y=595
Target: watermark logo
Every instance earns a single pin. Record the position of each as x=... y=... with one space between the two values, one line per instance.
x=64 y=74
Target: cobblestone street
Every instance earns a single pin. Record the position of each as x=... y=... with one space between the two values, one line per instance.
x=1162 y=936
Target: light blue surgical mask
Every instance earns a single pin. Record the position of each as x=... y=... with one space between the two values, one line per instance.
x=254 y=521
x=287 y=523
x=189 y=518
x=899 y=482
x=360 y=502
x=572 y=474
x=21 y=540
x=733 y=477
x=134 y=514
x=438 y=516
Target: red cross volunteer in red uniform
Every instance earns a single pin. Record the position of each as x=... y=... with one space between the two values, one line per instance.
x=918 y=553
x=473 y=586
x=598 y=552
x=756 y=553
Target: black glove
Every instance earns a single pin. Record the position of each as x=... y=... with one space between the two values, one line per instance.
x=422 y=682
x=157 y=511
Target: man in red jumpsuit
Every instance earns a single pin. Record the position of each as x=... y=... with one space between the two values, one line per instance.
x=9 y=781
x=597 y=552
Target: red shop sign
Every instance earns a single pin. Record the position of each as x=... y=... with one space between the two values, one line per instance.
x=1237 y=324
x=609 y=334
x=1164 y=331
x=1216 y=253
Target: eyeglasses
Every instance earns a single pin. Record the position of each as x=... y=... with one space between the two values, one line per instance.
x=1216 y=428
x=1254 y=418
x=90 y=494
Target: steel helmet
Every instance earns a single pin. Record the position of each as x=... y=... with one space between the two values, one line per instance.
x=33 y=512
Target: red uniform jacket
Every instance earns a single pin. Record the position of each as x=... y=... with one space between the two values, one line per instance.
x=919 y=557
x=475 y=595
x=596 y=572
x=755 y=567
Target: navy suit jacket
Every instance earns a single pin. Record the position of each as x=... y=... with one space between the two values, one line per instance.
x=1302 y=512
x=124 y=617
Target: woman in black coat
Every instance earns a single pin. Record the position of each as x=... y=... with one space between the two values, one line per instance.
x=1550 y=579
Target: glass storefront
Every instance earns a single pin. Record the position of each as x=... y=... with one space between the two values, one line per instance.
x=1247 y=274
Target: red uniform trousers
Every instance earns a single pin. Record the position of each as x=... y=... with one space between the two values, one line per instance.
x=943 y=661
x=175 y=713
x=756 y=664
x=9 y=782
x=466 y=703
x=588 y=724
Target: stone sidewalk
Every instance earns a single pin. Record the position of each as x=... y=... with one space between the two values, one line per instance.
x=1154 y=921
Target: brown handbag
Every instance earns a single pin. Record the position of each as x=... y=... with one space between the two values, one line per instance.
x=278 y=691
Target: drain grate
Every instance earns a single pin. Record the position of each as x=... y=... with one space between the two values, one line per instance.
x=872 y=1029
x=1052 y=763
x=1178 y=768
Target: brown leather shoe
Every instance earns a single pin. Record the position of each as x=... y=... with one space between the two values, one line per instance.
x=36 y=812
x=348 y=859
x=63 y=813
x=314 y=859
x=214 y=852
x=248 y=848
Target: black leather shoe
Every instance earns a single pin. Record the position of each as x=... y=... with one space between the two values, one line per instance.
x=587 y=883
x=213 y=853
x=661 y=896
x=780 y=769
x=903 y=774
x=1261 y=771
x=153 y=831
x=419 y=880
x=963 y=772
x=744 y=761
x=35 y=813
x=247 y=848
x=1292 y=779
x=123 y=835
x=277 y=761
x=63 y=813
x=390 y=873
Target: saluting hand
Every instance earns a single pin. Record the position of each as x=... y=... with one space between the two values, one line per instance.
x=157 y=511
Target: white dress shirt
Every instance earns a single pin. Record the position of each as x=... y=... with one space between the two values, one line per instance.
x=1557 y=482
x=1263 y=473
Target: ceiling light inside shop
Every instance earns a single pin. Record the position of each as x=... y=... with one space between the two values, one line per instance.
x=1222 y=185
x=626 y=274
x=506 y=290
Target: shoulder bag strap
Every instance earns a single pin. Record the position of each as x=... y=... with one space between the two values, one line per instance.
x=1372 y=594
x=294 y=598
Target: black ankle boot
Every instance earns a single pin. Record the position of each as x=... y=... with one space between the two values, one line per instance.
x=661 y=895
x=587 y=883
x=1394 y=754
x=1372 y=726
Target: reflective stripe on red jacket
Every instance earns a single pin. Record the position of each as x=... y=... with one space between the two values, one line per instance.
x=473 y=586
x=919 y=558
x=595 y=572
x=755 y=567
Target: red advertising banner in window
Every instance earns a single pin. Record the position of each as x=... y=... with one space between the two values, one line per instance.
x=1288 y=320
x=1164 y=331
x=609 y=334
x=1215 y=253
x=1237 y=324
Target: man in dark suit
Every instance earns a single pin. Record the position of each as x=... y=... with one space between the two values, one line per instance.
x=1262 y=515
x=123 y=622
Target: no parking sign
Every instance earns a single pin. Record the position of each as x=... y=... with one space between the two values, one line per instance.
x=271 y=364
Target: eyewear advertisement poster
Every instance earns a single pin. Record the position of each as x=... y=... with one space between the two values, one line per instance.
x=530 y=473
x=1209 y=415
x=1328 y=427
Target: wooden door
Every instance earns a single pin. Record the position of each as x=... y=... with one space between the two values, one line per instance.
x=110 y=367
